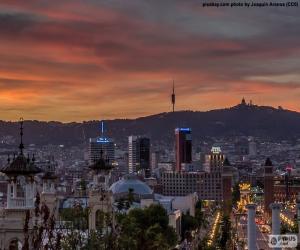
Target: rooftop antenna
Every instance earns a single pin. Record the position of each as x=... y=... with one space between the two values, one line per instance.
x=102 y=128
x=173 y=97
x=21 y=147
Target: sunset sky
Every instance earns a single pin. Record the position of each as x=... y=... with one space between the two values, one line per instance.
x=72 y=60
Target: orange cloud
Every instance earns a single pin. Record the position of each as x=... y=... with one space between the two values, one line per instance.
x=76 y=60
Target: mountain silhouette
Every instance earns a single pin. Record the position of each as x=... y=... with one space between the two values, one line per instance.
x=243 y=119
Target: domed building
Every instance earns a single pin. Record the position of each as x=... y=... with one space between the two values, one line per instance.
x=140 y=190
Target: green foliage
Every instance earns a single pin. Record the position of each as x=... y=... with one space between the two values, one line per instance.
x=146 y=229
x=77 y=215
x=130 y=197
x=236 y=195
x=82 y=184
x=284 y=228
x=188 y=223
x=201 y=219
x=225 y=233
x=199 y=205
x=121 y=204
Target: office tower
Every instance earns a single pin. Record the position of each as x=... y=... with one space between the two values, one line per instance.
x=252 y=147
x=155 y=158
x=101 y=144
x=227 y=177
x=139 y=155
x=214 y=183
x=144 y=156
x=242 y=146
x=268 y=186
x=214 y=170
x=132 y=153
x=183 y=146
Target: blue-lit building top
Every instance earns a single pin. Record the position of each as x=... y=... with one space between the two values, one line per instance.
x=183 y=129
x=101 y=140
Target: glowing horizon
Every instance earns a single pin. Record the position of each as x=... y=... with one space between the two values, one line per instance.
x=89 y=60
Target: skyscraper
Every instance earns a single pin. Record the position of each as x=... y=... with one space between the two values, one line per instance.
x=268 y=186
x=139 y=155
x=183 y=147
x=101 y=143
x=214 y=183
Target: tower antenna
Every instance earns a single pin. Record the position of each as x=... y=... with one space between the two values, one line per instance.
x=102 y=128
x=21 y=147
x=173 y=97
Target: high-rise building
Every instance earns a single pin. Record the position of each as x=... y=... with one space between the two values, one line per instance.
x=268 y=186
x=242 y=146
x=227 y=177
x=139 y=155
x=252 y=147
x=132 y=153
x=101 y=144
x=183 y=148
x=214 y=183
x=214 y=169
x=155 y=159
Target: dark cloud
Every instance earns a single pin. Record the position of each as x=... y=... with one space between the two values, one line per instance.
x=98 y=56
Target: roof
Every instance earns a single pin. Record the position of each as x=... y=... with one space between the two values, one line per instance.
x=49 y=172
x=70 y=202
x=130 y=182
x=21 y=166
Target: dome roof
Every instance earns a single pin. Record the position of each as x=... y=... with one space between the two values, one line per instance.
x=130 y=182
x=21 y=166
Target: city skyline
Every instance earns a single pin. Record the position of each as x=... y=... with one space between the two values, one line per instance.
x=74 y=61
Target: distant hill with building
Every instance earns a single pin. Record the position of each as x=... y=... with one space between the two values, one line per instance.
x=242 y=119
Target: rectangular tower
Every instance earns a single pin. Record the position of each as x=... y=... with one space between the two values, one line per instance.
x=96 y=145
x=268 y=186
x=132 y=153
x=139 y=155
x=183 y=147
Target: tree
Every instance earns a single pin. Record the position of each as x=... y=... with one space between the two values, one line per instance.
x=39 y=228
x=199 y=205
x=188 y=223
x=225 y=233
x=236 y=195
x=77 y=215
x=146 y=229
x=120 y=204
x=130 y=197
